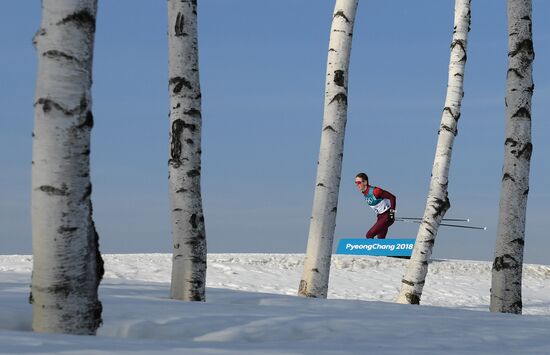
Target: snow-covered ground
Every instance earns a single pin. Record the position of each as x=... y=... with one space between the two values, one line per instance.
x=252 y=308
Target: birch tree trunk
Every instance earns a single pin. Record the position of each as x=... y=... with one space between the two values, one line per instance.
x=67 y=264
x=508 y=262
x=437 y=202
x=188 y=231
x=314 y=282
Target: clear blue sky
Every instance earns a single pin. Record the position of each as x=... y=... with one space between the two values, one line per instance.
x=262 y=73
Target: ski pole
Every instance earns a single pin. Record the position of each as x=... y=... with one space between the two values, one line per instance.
x=444 y=219
x=441 y=224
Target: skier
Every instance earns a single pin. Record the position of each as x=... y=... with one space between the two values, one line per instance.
x=382 y=202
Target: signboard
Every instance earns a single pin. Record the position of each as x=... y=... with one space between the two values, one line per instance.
x=377 y=247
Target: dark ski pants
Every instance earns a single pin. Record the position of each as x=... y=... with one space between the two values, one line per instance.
x=380 y=228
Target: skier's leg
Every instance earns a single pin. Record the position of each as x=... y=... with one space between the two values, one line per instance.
x=379 y=229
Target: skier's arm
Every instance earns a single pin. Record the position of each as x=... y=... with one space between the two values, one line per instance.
x=379 y=193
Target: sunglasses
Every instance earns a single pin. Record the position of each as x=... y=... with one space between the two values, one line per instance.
x=358 y=182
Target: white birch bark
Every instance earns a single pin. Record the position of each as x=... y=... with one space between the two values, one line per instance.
x=438 y=202
x=67 y=265
x=508 y=262
x=188 y=230
x=314 y=282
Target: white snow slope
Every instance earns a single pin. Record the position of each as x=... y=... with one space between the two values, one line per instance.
x=252 y=308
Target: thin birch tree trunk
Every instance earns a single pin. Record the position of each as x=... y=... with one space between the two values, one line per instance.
x=508 y=262
x=67 y=264
x=188 y=230
x=314 y=282
x=437 y=202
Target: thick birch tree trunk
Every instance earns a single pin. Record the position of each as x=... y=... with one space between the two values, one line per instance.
x=67 y=265
x=188 y=231
x=508 y=262
x=438 y=202
x=314 y=282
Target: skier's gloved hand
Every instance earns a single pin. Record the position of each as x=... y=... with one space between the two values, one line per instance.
x=392 y=215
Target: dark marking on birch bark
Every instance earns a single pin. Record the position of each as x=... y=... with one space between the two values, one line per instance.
x=341 y=14
x=190 y=126
x=88 y=121
x=189 y=141
x=179 y=83
x=196 y=244
x=66 y=230
x=197 y=285
x=177 y=210
x=340 y=98
x=516 y=307
x=83 y=18
x=526 y=151
x=87 y=192
x=176 y=246
x=461 y=44
x=517 y=72
x=430 y=243
x=339 y=77
x=53 y=191
x=522 y=112
x=441 y=206
x=518 y=241
x=412 y=298
x=193 y=173
x=98 y=320
x=407 y=282
x=175 y=143
x=444 y=127
x=55 y=54
x=526 y=192
x=193 y=113
x=100 y=265
x=334 y=209
x=329 y=128
x=40 y=32
x=315 y=270
x=507 y=176
x=456 y=116
x=178 y=28
x=179 y=191
x=320 y=184
x=510 y=141
x=505 y=262
x=524 y=47
x=48 y=104
x=193 y=221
